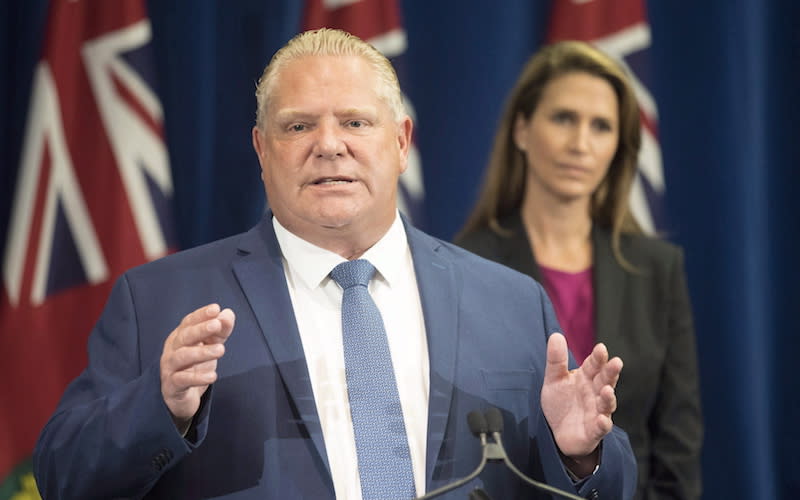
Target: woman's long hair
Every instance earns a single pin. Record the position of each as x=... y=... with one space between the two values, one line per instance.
x=504 y=186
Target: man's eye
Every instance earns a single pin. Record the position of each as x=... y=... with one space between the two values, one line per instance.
x=297 y=127
x=355 y=123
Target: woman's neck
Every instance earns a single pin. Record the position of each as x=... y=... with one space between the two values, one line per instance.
x=560 y=234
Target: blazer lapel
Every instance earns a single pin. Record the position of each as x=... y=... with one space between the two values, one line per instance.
x=440 y=297
x=259 y=270
x=610 y=280
x=260 y=274
x=517 y=249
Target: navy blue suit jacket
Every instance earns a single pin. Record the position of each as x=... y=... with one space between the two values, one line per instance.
x=257 y=434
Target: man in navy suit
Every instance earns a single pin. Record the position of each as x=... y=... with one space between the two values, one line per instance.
x=247 y=397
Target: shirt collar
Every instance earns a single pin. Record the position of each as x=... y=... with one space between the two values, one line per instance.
x=313 y=264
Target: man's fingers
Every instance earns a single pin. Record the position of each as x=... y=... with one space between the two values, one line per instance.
x=187 y=379
x=609 y=374
x=227 y=319
x=192 y=356
x=604 y=425
x=607 y=401
x=594 y=363
x=197 y=333
x=197 y=373
x=557 y=358
x=613 y=370
x=189 y=358
x=200 y=314
x=190 y=330
x=197 y=340
x=205 y=325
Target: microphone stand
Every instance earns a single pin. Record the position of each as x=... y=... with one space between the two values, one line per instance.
x=536 y=484
x=495 y=426
x=479 y=494
x=464 y=480
x=479 y=428
x=492 y=452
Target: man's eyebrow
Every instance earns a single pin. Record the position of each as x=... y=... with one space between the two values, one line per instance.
x=293 y=114
x=367 y=110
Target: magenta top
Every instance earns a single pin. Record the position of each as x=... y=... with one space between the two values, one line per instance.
x=572 y=295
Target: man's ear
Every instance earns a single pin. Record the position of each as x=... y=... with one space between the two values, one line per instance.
x=405 y=129
x=258 y=143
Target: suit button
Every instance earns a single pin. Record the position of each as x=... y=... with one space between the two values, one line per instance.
x=161 y=460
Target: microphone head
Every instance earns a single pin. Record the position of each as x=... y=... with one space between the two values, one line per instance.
x=494 y=420
x=477 y=423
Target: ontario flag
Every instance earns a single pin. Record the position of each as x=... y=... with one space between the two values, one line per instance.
x=378 y=22
x=620 y=29
x=92 y=199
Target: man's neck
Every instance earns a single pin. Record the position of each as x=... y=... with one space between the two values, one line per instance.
x=349 y=241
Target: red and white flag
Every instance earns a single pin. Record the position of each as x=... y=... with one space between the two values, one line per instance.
x=92 y=199
x=379 y=23
x=620 y=29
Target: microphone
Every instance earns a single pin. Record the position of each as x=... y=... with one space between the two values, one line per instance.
x=479 y=428
x=477 y=424
x=494 y=423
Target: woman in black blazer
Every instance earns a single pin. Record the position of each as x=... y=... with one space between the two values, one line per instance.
x=555 y=206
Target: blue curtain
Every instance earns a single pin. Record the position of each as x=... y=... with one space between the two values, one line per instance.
x=725 y=80
x=727 y=91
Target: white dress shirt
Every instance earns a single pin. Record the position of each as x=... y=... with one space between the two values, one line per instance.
x=317 y=302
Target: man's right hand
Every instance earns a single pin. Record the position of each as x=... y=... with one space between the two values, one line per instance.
x=189 y=360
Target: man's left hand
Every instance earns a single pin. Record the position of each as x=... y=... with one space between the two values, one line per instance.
x=578 y=403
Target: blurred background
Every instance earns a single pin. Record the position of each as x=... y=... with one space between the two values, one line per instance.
x=161 y=114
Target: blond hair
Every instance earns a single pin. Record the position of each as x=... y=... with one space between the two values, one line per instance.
x=329 y=42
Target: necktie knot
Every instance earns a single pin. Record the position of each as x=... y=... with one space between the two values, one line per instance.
x=352 y=273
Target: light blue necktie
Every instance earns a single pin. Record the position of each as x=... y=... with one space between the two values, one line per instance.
x=384 y=461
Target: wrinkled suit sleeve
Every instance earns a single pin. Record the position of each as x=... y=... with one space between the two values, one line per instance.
x=112 y=435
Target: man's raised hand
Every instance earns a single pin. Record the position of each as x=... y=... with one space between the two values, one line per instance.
x=189 y=359
x=578 y=403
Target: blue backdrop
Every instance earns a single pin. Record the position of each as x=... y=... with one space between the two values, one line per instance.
x=725 y=80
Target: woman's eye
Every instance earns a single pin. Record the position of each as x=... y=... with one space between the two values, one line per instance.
x=563 y=118
x=602 y=125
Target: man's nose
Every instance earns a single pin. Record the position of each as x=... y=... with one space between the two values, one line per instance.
x=329 y=141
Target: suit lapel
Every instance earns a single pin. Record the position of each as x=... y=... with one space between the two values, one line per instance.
x=259 y=270
x=440 y=297
x=610 y=280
